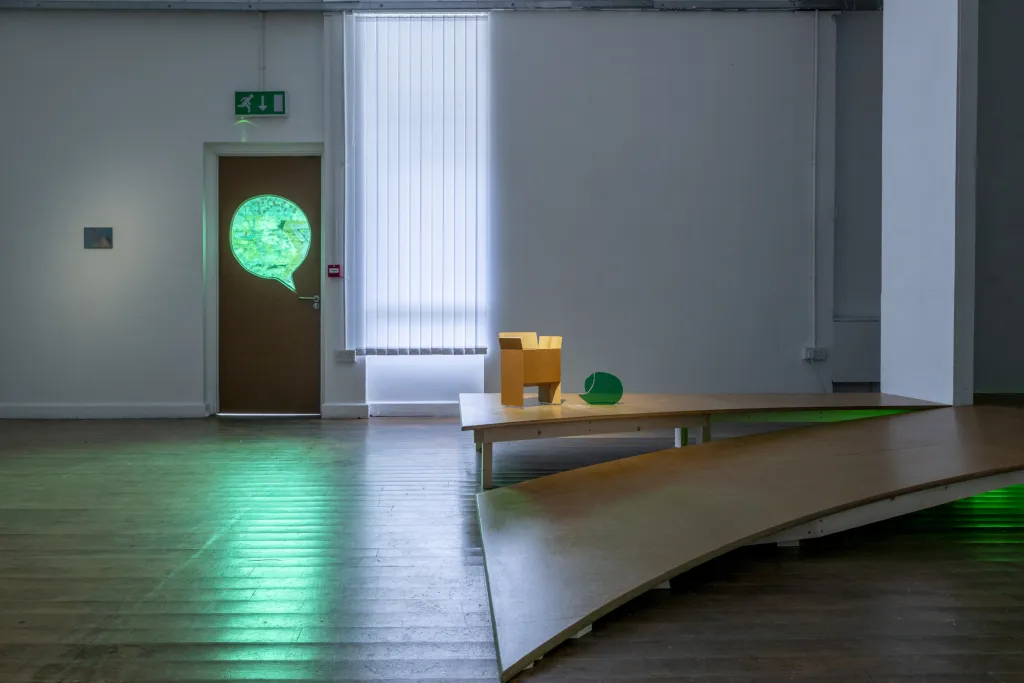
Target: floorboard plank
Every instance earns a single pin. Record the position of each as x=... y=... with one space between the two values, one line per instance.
x=194 y=551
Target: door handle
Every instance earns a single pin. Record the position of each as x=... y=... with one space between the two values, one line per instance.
x=315 y=299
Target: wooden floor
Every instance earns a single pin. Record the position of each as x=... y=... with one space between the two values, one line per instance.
x=205 y=551
x=240 y=550
x=564 y=550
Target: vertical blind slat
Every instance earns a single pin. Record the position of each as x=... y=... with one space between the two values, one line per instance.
x=417 y=99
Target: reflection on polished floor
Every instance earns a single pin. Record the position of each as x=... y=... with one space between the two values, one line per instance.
x=242 y=550
x=315 y=550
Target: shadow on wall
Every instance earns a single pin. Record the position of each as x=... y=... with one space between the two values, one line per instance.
x=999 y=277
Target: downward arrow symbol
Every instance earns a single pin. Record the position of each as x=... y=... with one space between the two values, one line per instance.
x=263 y=102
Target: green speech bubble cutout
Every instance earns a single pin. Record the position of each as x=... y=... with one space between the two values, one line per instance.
x=270 y=237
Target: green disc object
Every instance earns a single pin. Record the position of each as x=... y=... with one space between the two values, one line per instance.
x=602 y=389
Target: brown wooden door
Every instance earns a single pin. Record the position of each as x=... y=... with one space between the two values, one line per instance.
x=269 y=345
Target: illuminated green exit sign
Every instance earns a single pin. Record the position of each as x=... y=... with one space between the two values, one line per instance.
x=260 y=103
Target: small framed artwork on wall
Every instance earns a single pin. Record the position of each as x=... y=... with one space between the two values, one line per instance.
x=99 y=238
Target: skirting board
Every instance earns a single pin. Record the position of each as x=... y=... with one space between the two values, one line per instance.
x=415 y=409
x=100 y=411
x=1016 y=400
x=344 y=411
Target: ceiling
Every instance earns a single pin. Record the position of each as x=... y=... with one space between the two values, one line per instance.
x=428 y=5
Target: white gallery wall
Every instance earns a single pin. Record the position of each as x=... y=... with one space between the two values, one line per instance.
x=858 y=199
x=999 y=279
x=929 y=107
x=105 y=125
x=999 y=276
x=858 y=243
x=655 y=181
x=654 y=194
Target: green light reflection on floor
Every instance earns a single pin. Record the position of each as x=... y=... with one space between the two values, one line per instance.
x=999 y=509
x=284 y=541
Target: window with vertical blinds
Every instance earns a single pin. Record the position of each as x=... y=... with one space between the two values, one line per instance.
x=416 y=220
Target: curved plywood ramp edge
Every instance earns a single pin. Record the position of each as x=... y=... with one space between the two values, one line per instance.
x=888 y=508
x=564 y=550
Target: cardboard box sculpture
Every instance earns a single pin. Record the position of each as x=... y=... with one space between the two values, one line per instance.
x=530 y=362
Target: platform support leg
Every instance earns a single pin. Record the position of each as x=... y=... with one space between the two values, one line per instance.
x=682 y=436
x=705 y=430
x=583 y=631
x=486 y=461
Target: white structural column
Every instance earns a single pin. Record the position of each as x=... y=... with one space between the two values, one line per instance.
x=929 y=100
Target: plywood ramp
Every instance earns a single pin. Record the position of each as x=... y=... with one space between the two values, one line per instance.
x=563 y=550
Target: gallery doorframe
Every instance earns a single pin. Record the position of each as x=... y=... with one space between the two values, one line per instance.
x=212 y=151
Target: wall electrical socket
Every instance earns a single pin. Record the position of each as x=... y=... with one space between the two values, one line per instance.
x=345 y=356
x=815 y=354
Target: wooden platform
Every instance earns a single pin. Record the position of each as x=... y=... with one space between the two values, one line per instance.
x=491 y=422
x=482 y=411
x=563 y=550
